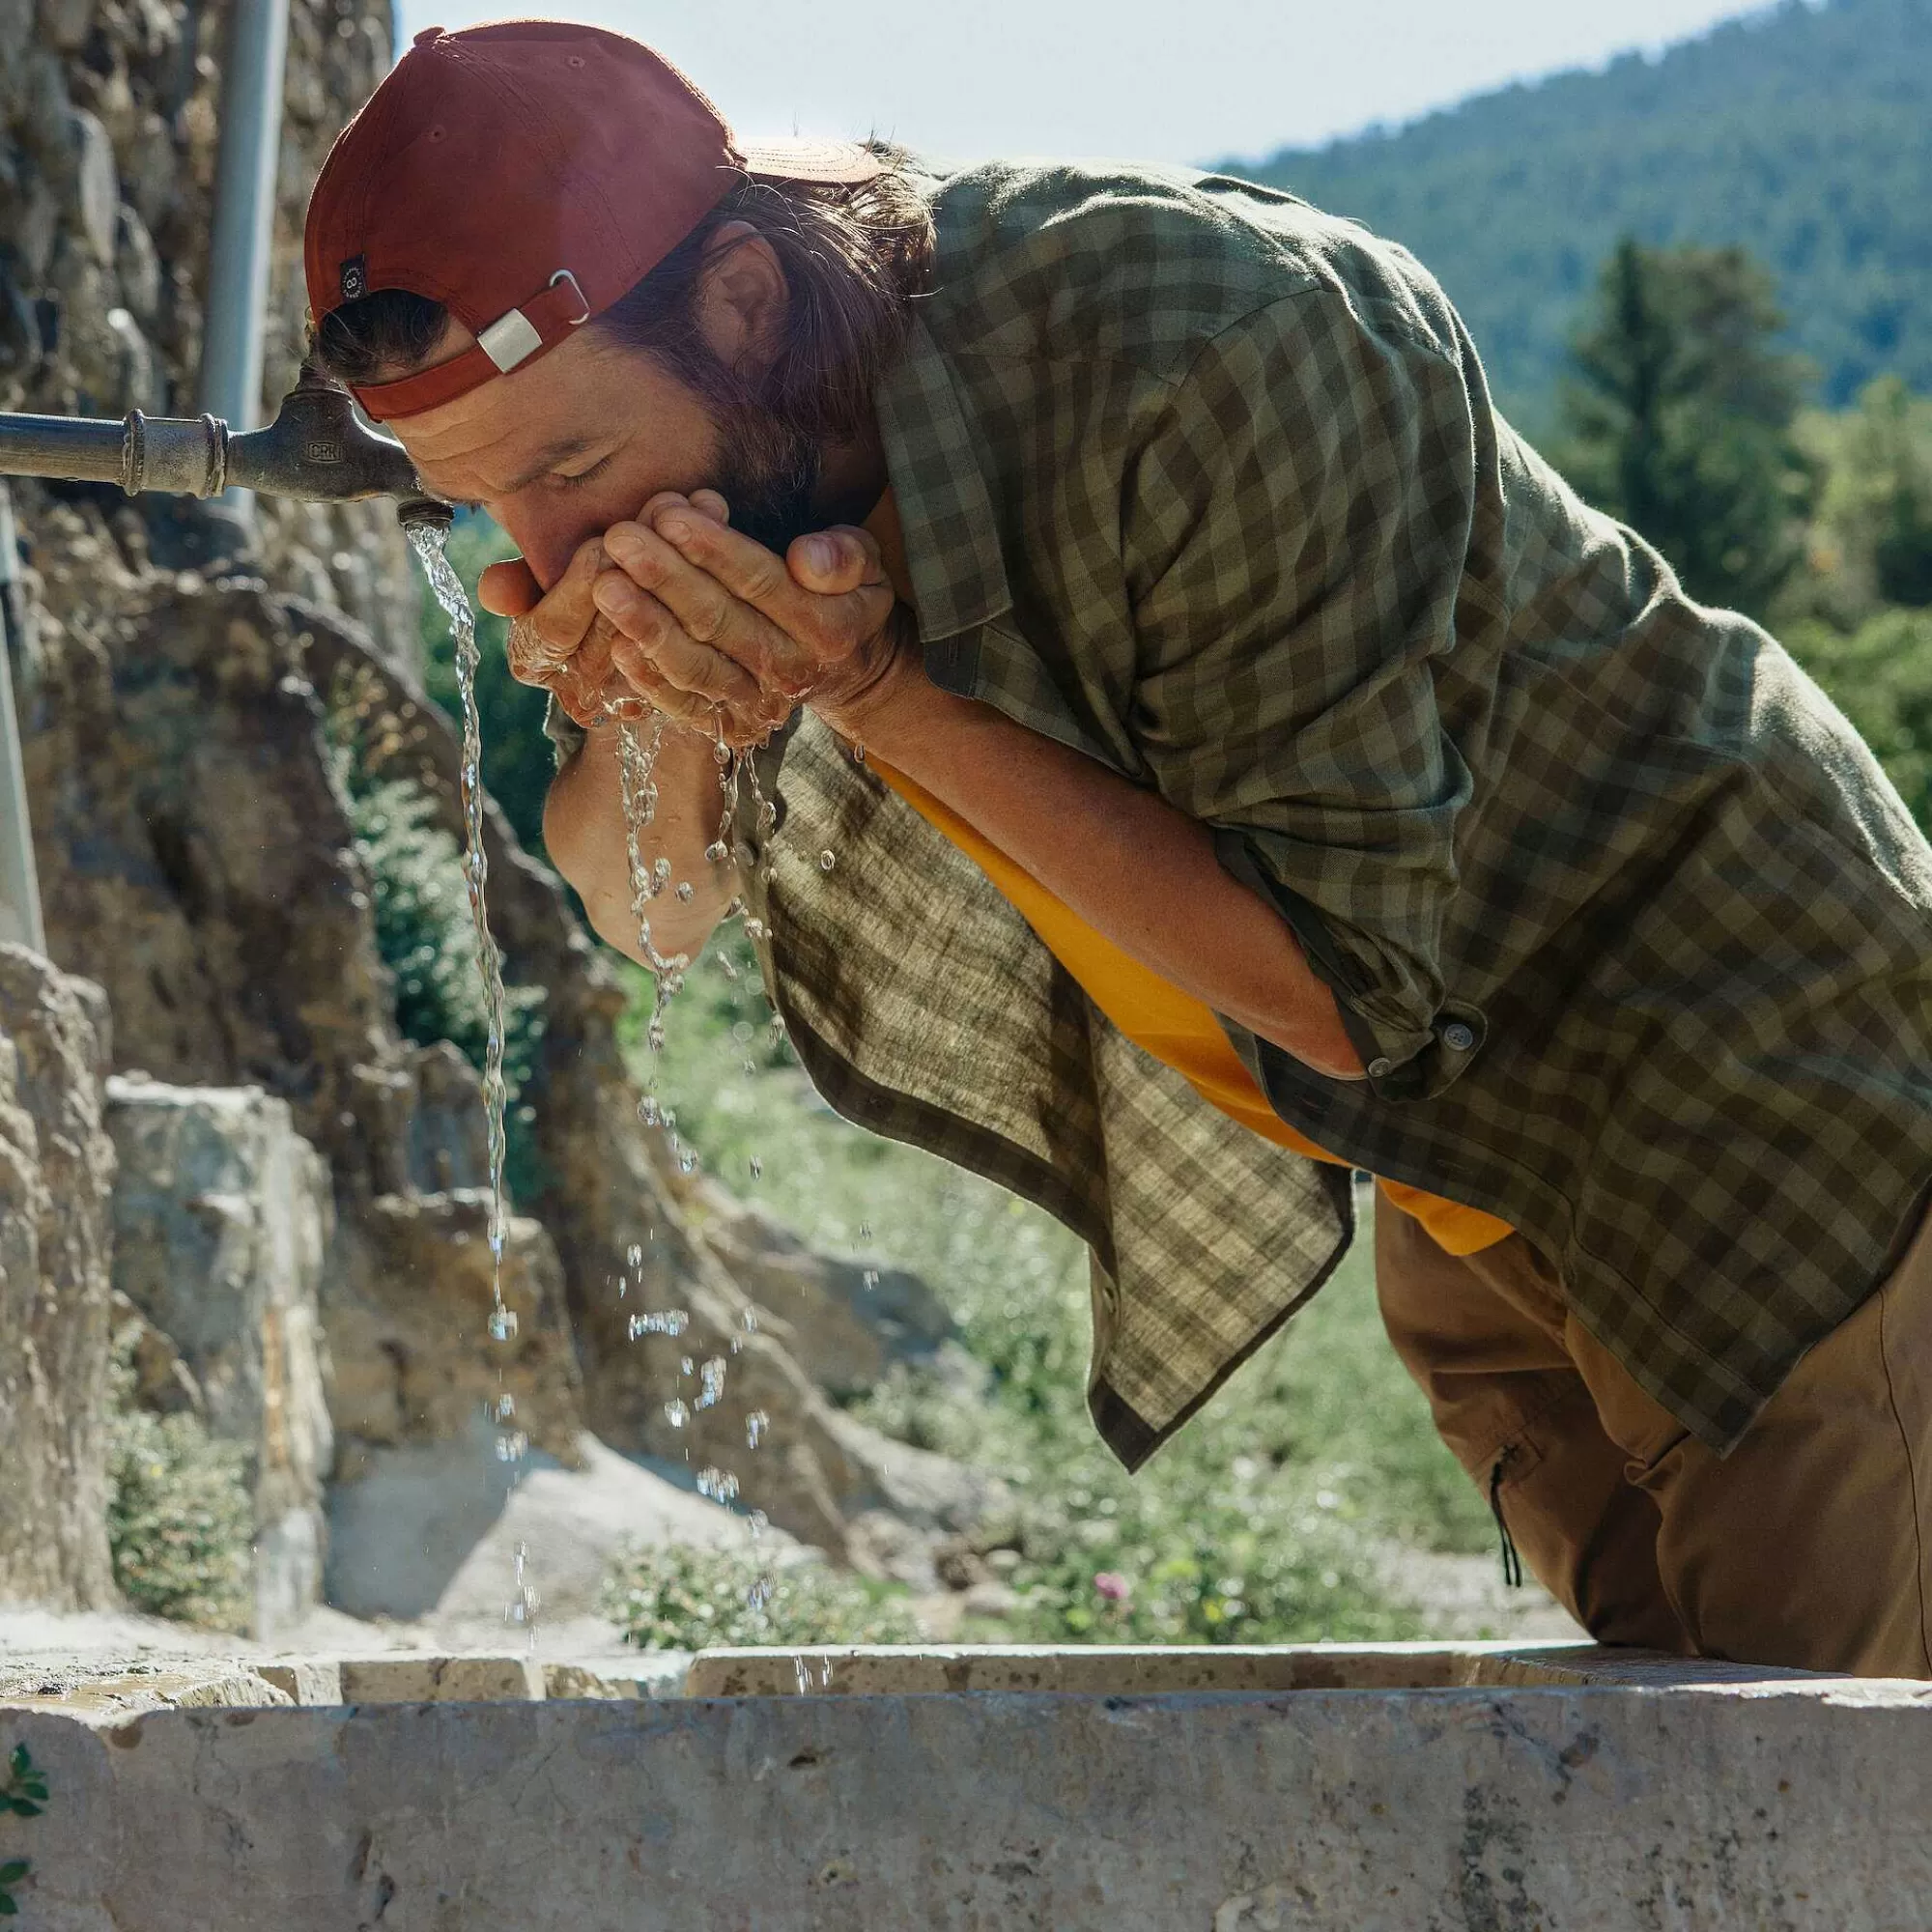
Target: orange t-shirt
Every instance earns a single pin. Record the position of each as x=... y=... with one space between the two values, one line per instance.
x=1177 y=1029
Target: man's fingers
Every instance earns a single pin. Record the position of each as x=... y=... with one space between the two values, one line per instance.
x=568 y=609
x=746 y=569
x=508 y=589
x=831 y=562
x=705 y=608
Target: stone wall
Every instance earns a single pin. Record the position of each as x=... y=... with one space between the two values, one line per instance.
x=56 y=1167
x=108 y=133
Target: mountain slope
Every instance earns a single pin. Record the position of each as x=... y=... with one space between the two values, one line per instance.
x=1804 y=133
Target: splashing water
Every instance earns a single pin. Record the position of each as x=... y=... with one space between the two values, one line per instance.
x=671 y=1321
x=756 y=1425
x=720 y=1485
x=711 y=1379
x=430 y=542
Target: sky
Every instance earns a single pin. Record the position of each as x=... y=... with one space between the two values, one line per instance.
x=1161 y=80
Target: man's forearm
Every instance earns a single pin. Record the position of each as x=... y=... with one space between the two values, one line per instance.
x=1129 y=863
x=584 y=834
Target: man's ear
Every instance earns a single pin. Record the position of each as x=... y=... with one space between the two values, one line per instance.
x=742 y=298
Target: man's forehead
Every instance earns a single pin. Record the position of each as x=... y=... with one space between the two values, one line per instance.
x=489 y=444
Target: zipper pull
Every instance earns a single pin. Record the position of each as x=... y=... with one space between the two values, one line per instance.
x=1512 y=1561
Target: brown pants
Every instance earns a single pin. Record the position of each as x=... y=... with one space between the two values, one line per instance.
x=1810 y=1543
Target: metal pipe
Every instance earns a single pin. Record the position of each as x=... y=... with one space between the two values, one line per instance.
x=317 y=450
x=19 y=883
x=237 y=298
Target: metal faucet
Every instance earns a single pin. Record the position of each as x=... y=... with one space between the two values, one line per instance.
x=316 y=450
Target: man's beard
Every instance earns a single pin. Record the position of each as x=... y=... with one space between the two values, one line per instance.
x=768 y=472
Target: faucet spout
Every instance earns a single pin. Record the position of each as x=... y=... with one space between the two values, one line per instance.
x=317 y=450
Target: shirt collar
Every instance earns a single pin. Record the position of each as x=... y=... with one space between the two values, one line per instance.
x=946 y=512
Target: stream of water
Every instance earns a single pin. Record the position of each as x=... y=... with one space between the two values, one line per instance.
x=640 y=741
x=430 y=541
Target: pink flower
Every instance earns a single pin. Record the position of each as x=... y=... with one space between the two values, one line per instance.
x=1111 y=1585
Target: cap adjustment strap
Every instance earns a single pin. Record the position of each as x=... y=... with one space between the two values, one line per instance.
x=537 y=324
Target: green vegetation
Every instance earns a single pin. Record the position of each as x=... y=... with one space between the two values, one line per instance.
x=1799 y=132
x=422 y=919
x=674 y=1597
x=1680 y=420
x=1270 y=1517
x=23 y=1795
x=179 y=1521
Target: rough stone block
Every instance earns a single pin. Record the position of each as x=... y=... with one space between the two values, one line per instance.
x=1693 y=1799
x=222 y=1215
x=403 y=1679
x=56 y=1168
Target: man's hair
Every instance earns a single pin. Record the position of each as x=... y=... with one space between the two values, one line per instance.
x=853 y=256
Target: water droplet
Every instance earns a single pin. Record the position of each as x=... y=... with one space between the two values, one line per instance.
x=749 y=1321
x=859 y=753
x=826 y=862
x=757 y=1166
x=511 y=1444
x=777 y=1030
x=864 y=1231
x=721 y=752
x=712 y=1378
x=661 y=869
x=671 y=1321
x=871 y=1279
x=649 y=1112
x=687 y=1162
x=755 y=928
x=677 y=1413
x=502 y=1324
x=720 y=1485
x=717 y=852
x=757 y=1522
x=634 y=1255
x=685 y=890
x=748 y=1068
x=759 y=1593
x=507 y=1406
x=686 y=1366
x=756 y=1425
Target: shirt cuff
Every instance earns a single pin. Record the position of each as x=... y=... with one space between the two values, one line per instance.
x=1405 y=1056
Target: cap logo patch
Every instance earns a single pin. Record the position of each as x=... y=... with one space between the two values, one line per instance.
x=355 y=279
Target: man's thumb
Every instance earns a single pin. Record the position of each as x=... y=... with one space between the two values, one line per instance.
x=834 y=562
x=508 y=589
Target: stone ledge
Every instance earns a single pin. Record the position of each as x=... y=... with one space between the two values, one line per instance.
x=1770 y=1800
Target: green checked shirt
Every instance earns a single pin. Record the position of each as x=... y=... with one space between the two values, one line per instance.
x=1630 y=929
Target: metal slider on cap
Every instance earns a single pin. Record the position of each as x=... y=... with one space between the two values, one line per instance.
x=505 y=344
x=514 y=337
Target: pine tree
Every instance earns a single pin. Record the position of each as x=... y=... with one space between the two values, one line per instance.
x=1679 y=414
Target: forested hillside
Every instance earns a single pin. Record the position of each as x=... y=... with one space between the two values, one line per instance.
x=1801 y=133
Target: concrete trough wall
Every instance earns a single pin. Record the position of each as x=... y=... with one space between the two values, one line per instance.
x=1568 y=1790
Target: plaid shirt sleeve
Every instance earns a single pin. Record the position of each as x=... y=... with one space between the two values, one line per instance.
x=1295 y=544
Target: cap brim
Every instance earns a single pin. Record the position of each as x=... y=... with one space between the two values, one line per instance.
x=797 y=160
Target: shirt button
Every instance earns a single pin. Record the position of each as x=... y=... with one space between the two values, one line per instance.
x=1377 y=1067
x=1457 y=1037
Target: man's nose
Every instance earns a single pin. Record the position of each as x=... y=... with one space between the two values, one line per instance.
x=546 y=543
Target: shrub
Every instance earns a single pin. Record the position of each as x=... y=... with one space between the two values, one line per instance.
x=674 y=1597
x=180 y=1520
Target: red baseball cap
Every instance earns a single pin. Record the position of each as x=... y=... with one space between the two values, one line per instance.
x=525 y=174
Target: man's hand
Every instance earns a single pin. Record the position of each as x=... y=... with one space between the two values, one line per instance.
x=721 y=633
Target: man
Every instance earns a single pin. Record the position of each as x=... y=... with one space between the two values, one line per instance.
x=1239 y=757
